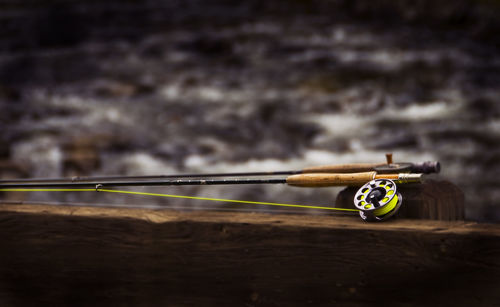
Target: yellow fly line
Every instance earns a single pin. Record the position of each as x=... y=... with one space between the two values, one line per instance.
x=178 y=196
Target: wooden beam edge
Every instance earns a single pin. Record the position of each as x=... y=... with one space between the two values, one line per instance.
x=158 y=216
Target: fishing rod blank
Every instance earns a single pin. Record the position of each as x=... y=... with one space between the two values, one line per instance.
x=384 y=168
x=123 y=183
x=150 y=177
x=299 y=180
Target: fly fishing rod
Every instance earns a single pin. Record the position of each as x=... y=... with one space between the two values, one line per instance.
x=377 y=200
x=300 y=180
x=382 y=168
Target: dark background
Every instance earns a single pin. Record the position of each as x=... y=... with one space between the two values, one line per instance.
x=156 y=87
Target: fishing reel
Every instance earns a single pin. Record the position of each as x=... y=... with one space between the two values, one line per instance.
x=378 y=200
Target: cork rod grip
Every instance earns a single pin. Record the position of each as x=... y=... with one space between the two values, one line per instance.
x=343 y=168
x=330 y=180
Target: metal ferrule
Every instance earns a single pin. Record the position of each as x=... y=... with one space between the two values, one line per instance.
x=409 y=178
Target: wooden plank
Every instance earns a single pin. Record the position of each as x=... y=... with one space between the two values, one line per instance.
x=57 y=255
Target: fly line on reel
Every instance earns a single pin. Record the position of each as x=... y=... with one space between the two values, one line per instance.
x=378 y=200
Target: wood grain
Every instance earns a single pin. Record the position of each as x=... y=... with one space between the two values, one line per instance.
x=81 y=256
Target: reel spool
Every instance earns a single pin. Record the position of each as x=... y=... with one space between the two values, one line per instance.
x=378 y=200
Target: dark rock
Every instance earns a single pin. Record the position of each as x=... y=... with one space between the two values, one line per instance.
x=483 y=108
x=115 y=89
x=60 y=26
x=38 y=69
x=208 y=46
x=9 y=169
x=9 y=93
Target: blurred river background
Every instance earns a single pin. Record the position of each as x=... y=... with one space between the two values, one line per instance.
x=160 y=87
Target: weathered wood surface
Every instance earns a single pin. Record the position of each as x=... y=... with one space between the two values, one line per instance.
x=76 y=256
